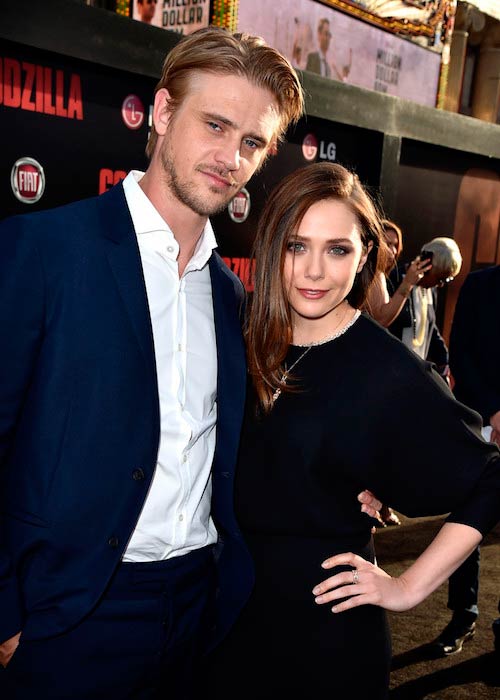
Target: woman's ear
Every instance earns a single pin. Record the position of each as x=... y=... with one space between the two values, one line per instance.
x=364 y=256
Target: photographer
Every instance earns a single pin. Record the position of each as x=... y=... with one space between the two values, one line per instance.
x=416 y=324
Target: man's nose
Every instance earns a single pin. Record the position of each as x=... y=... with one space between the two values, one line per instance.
x=229 y=155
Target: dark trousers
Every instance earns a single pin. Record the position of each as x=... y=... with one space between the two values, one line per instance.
x=142 y=641
x=463 y=588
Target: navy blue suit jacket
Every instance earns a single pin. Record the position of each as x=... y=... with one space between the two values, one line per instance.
x=79 y=413
x=475 y=342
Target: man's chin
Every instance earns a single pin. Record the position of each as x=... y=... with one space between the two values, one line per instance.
x=220 y=203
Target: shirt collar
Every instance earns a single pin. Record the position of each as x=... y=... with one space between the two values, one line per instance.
x=147 y=219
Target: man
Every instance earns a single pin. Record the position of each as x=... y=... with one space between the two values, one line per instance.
x=146 y=9
x=122 y=397
x=316 y=60
x=474 y=352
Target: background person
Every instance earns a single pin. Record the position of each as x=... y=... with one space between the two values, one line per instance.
x=317 y=61
x=416 y=324
x=315 y=431
x=474 y=353
x=146 y=10
x=386 y=297
x=122 y=397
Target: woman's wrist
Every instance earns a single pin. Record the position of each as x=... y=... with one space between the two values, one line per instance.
x=404 y=289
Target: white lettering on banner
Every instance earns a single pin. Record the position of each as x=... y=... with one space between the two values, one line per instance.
x=328 y=152
x=28 y=181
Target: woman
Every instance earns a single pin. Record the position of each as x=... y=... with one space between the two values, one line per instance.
x=388 y=294
x=316 y=433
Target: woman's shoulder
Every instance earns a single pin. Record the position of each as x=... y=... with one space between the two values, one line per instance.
x=384 y=351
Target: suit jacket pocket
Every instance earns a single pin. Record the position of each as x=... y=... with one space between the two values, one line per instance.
x=25 y=517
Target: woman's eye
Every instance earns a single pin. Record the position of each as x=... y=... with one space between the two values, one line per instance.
x=338 y=250
x=295 y=247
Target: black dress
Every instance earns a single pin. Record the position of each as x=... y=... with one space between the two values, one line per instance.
x=366 y=416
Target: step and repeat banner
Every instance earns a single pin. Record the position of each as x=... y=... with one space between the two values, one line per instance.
x=73 y=129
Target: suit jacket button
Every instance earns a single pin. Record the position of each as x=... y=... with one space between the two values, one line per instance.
x=137 y=475
x=113 y=542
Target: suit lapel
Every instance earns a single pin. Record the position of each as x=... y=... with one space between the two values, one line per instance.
x=125 y=261
x=231 y=375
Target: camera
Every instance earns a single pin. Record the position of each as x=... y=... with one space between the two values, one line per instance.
x=426 y=256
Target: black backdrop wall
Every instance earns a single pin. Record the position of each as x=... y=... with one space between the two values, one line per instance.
x=75 y=91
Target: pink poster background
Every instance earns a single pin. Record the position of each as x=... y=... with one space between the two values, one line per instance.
x=358 y=53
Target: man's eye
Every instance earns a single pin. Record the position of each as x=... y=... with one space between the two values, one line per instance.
x=251 y=144
x=214 y=126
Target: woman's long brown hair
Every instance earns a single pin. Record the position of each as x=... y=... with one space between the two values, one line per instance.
x=269 y=326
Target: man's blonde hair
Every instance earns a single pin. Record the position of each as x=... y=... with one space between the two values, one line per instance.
x=217 y=51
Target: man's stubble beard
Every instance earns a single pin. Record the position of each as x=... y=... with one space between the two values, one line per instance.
x=187 y=193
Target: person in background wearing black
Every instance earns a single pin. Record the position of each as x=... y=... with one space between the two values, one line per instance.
x=474 y=357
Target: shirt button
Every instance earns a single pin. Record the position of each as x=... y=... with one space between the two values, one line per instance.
x=181 y=517
x=113 y=542
x=170 y=248
x=137 y=475
x=184 y=458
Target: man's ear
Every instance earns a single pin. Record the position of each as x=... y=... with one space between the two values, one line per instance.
x=364 y=257
x=161 y=111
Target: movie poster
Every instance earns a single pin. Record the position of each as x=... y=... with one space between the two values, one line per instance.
x=182 y=16
x=335 y=45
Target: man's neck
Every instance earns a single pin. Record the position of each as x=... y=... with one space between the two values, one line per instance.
x=185 y=224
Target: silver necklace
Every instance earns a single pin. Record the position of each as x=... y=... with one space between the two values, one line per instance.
x=287 y=371
x=333 y=336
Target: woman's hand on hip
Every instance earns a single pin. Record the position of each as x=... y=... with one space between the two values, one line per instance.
x=364 y=584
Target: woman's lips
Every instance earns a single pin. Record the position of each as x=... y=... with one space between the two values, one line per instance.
x=312 y=293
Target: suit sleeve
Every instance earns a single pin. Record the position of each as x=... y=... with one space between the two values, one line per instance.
x=22 y=312
x=473 y=384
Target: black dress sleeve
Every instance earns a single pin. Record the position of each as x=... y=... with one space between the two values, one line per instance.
x=435 y=461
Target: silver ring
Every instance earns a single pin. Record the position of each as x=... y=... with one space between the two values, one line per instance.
x=355 y=576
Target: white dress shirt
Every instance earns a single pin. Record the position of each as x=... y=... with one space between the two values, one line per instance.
x=175 y=518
